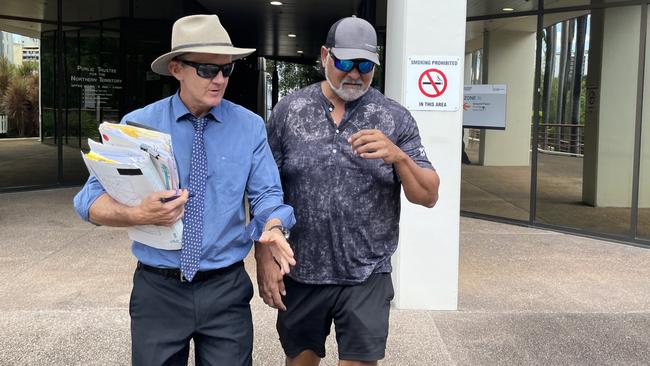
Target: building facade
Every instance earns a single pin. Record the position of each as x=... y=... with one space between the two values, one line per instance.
x=6 y=46
x=574 y=154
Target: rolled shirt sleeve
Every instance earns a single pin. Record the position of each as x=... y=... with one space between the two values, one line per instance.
x=87 y=196
x=265 y=190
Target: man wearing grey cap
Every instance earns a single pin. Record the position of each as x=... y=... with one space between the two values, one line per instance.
x=202 y=291
x=344 y=152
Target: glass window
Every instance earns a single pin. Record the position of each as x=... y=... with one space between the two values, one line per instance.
x=496 y=173
x=25 y=122
x=93 y=93
x=585 y=149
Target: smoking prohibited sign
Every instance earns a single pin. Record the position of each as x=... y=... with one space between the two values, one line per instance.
x=433 y=83
x=434 y=79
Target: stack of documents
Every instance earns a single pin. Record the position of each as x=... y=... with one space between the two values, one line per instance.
x=131 y=163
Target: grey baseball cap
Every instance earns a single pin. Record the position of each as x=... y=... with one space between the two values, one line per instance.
x=352 y=38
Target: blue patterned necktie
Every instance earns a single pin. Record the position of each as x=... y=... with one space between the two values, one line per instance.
x=193 y=217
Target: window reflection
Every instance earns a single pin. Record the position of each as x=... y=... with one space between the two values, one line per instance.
x=496 y=176
x=24 y=158
x=587 y=120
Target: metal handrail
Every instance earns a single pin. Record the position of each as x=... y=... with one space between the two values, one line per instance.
x=564 y=138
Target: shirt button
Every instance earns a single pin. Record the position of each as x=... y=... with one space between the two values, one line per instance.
x=337 y=131
x=334 y=151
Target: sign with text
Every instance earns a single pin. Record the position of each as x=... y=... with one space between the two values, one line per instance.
x=433 y=83
x=484 y=106
x=98 y=84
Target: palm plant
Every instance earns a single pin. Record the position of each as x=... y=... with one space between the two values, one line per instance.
x=7 y=71
x=19 y=98
x=27 y=68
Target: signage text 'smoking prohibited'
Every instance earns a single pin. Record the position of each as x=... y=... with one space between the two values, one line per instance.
x=433 y=83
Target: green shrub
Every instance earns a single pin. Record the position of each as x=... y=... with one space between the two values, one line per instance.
x=20 y=104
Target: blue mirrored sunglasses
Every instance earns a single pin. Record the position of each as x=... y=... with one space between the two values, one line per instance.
x=209 y=71
x=364 y=66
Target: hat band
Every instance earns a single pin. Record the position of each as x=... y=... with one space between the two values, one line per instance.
x=191 y=45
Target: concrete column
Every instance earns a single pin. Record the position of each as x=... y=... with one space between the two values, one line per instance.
x=511 y=60
x=426 y=264
x=611 y=107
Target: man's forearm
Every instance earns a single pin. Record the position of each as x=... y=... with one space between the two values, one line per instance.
x=272 y=222
x=106 y=211
x=420 y=184
x=262 y=251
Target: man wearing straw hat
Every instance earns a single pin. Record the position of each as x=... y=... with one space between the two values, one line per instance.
x=344 y=152
x=201 y=292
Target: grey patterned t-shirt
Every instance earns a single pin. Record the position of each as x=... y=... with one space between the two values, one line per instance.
x=347 y=208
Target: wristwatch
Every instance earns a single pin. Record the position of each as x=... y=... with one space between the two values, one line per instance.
x=282 y=229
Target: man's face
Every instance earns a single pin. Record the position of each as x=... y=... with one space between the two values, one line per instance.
x=198 y=93
x=348 y=86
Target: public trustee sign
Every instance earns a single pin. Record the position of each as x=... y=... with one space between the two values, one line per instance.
x=433 y=83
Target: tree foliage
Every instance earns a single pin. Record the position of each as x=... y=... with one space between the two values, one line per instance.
x=7 y=72
x=27 y=68
x=564 y=85
x=19 y=97
x=293 y=76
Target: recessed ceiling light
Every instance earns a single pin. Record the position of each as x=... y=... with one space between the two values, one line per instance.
x=299 y=51
x=291 y=35
x=277 y=3
x=508 y=9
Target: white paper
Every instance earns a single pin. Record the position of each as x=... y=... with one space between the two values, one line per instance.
x=129 y=176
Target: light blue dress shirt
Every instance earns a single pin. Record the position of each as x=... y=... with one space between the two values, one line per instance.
x=239 y=161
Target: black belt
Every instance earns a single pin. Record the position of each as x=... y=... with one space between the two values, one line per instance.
x=199 y=276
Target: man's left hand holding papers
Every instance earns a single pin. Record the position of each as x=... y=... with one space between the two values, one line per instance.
x=151 y=211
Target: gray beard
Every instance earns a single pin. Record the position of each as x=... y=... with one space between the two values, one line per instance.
x=347 y=95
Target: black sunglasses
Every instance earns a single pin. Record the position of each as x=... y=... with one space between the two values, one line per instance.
x=364 y=66
x=209 y=71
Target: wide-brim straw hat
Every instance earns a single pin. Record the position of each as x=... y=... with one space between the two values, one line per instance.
x=200 y=34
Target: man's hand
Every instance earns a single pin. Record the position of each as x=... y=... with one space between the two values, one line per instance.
x=161 y=208
x=280 y=249
x=420 y=184
x=269 y=278
x=373 y=144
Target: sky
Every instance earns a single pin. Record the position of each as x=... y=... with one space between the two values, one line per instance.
x=25 y=40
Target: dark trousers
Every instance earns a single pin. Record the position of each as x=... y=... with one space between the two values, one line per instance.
x=166 y=313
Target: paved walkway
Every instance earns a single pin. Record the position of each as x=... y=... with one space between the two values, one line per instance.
x=527 y=297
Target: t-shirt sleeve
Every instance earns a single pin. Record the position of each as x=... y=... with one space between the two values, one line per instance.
x=409 y=141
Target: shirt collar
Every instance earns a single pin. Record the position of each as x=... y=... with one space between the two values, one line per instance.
x=179 y=109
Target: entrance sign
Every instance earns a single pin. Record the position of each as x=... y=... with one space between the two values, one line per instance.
x=433 y=83
x=484 y=106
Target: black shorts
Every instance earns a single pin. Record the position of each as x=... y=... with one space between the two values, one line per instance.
x=360 y=314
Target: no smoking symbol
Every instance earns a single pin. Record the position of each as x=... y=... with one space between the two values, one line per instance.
x=432 y=83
